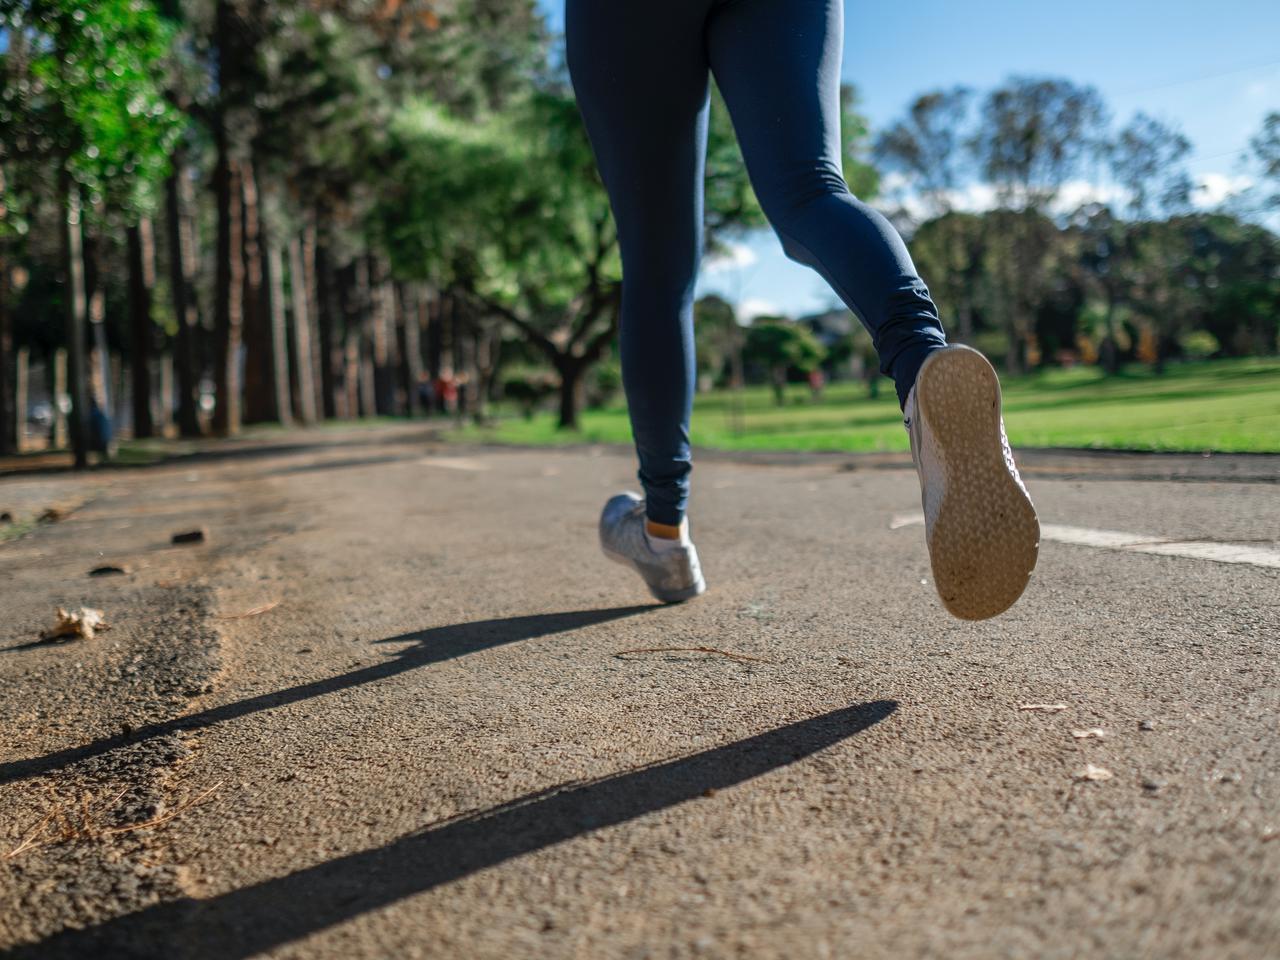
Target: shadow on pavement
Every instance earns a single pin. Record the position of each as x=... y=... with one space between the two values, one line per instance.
x=429 y=646
x=253 y=919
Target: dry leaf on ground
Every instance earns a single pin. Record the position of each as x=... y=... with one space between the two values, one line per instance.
x=1095 y=733
x=1091 y=772
x=78 y=623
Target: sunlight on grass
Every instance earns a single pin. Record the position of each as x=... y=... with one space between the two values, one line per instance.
x=1227 y=405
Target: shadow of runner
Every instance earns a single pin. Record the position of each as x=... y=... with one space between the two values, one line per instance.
x=258 y=918
x=429 y=646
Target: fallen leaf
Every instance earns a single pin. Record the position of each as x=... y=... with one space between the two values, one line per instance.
x=1096 y=733
x=189 y=536
x=80 y=623
x=1043 y=707
x=1091 y=772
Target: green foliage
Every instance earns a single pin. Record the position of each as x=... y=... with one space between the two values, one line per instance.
x=855 y=147
x=717 y=334
x=789 y=346
x=1146 y=159
x=1226 y=405
x=1199 y=344
x=1266 y=149
x=1035 y=134
x=604 y=384
x=83 y=90
x=927 y=145
x=730 y=200
x=527 y=388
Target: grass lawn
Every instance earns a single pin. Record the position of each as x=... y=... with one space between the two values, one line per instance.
x=1223 y=405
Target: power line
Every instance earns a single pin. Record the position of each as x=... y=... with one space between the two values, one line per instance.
x=1198 y=78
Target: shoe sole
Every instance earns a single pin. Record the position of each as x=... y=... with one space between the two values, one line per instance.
x=672 y=596
x=986 y=537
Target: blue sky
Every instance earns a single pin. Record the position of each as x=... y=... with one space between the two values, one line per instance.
x=1211 y=70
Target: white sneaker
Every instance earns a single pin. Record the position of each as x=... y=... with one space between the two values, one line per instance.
x=980 y=525
x=672 y=573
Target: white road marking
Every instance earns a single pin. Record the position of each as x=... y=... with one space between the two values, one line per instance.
x=1137 y=543
x=454 y=463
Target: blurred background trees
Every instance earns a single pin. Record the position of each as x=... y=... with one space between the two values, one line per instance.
x=218 y=212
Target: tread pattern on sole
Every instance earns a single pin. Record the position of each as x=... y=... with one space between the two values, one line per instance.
x=984 y=537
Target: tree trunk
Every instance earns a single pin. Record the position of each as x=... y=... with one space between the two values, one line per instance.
x=21 y=379
x=351 y=374
x=142 y=279
x=383 y=337
x=327 y=319
x=779 y=386
x=186 y=311
x=313 y=309
x=165 y=409
x=570 y=392
x=77 y=309
x=305 y=401
x=259 y=369
x=58 y=429
x=407 y=296
x=279 y=331
x=10 y=426
x=229 y=290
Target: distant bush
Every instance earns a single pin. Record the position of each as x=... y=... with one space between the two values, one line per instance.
x=603 y=384
x=1199 y=344
x=528 y=389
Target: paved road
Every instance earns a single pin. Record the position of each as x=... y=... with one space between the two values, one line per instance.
x=434 y=723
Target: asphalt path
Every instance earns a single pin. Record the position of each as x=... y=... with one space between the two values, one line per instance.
x=397 y=704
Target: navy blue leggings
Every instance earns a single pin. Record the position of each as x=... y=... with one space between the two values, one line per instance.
x=641 y=70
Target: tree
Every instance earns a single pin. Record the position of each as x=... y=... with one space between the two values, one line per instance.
x=782 y=346
x=927 y=146
x=509 y=213
x=1266 y=150
x=1034 y=135
x=86 y=98
x=719 y=339
x=1146 y=158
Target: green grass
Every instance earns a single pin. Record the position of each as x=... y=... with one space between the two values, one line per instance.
x=1224 y=405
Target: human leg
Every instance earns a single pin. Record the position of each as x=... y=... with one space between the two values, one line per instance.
x=777 y=62
x=648 y=125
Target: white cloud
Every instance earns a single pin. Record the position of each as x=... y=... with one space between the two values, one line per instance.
x=753 y=307
x=1213 y=188
x=735 y=256
x=1257 y=90
x=982 y=197
x=1074 y=193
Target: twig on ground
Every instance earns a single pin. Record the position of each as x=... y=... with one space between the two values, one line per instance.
x=251 y=613
x=1043 y=707
x=723 y=653
x=165 y=818
x=30 y=839
x=65 y=828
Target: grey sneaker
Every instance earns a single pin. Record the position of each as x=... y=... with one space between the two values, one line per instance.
x=672 y=575
x=980 y=525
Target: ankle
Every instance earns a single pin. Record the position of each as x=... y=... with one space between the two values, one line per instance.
x=665 y=531
x=662 y=536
